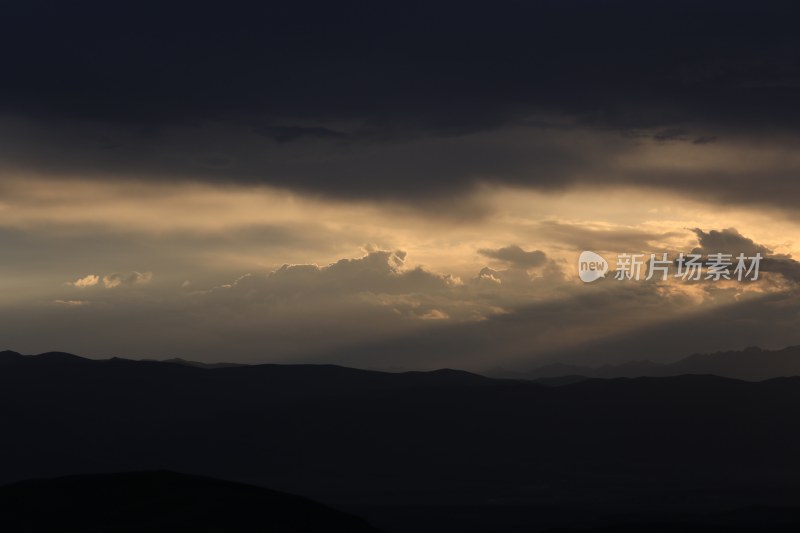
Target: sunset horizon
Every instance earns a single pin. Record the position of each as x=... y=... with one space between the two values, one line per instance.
x=529 y=264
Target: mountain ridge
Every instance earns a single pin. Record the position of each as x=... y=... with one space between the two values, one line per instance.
x=348 y=437
x=750 y=364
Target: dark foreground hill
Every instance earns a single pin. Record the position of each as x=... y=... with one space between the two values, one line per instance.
x=163 y=501
x=368 y=441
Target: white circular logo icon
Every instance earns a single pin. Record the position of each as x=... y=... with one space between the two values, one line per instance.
x=591 y=267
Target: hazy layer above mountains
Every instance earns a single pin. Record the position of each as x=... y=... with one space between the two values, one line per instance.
x=751 y=364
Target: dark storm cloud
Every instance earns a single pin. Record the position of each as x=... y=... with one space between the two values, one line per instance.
x=732 y=242
x=727 y=240
x=516 y=256
x=385 y=99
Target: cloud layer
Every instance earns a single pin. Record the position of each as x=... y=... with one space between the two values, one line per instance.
x=394 y=184
x=343 y=101
x=381 y=309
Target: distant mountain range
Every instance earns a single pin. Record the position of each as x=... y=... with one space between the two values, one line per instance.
x=415 y=451
x=179 y=361
x=752 y=364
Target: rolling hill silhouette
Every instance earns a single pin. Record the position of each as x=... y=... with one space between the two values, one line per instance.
x=162 y=501
x=386 y=446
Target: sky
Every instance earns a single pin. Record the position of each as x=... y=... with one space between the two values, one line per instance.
x=395 y=185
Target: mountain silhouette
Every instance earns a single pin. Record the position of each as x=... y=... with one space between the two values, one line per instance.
x=163 y=501
x=751 y=364
x=393 y=446
x=180 y=361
